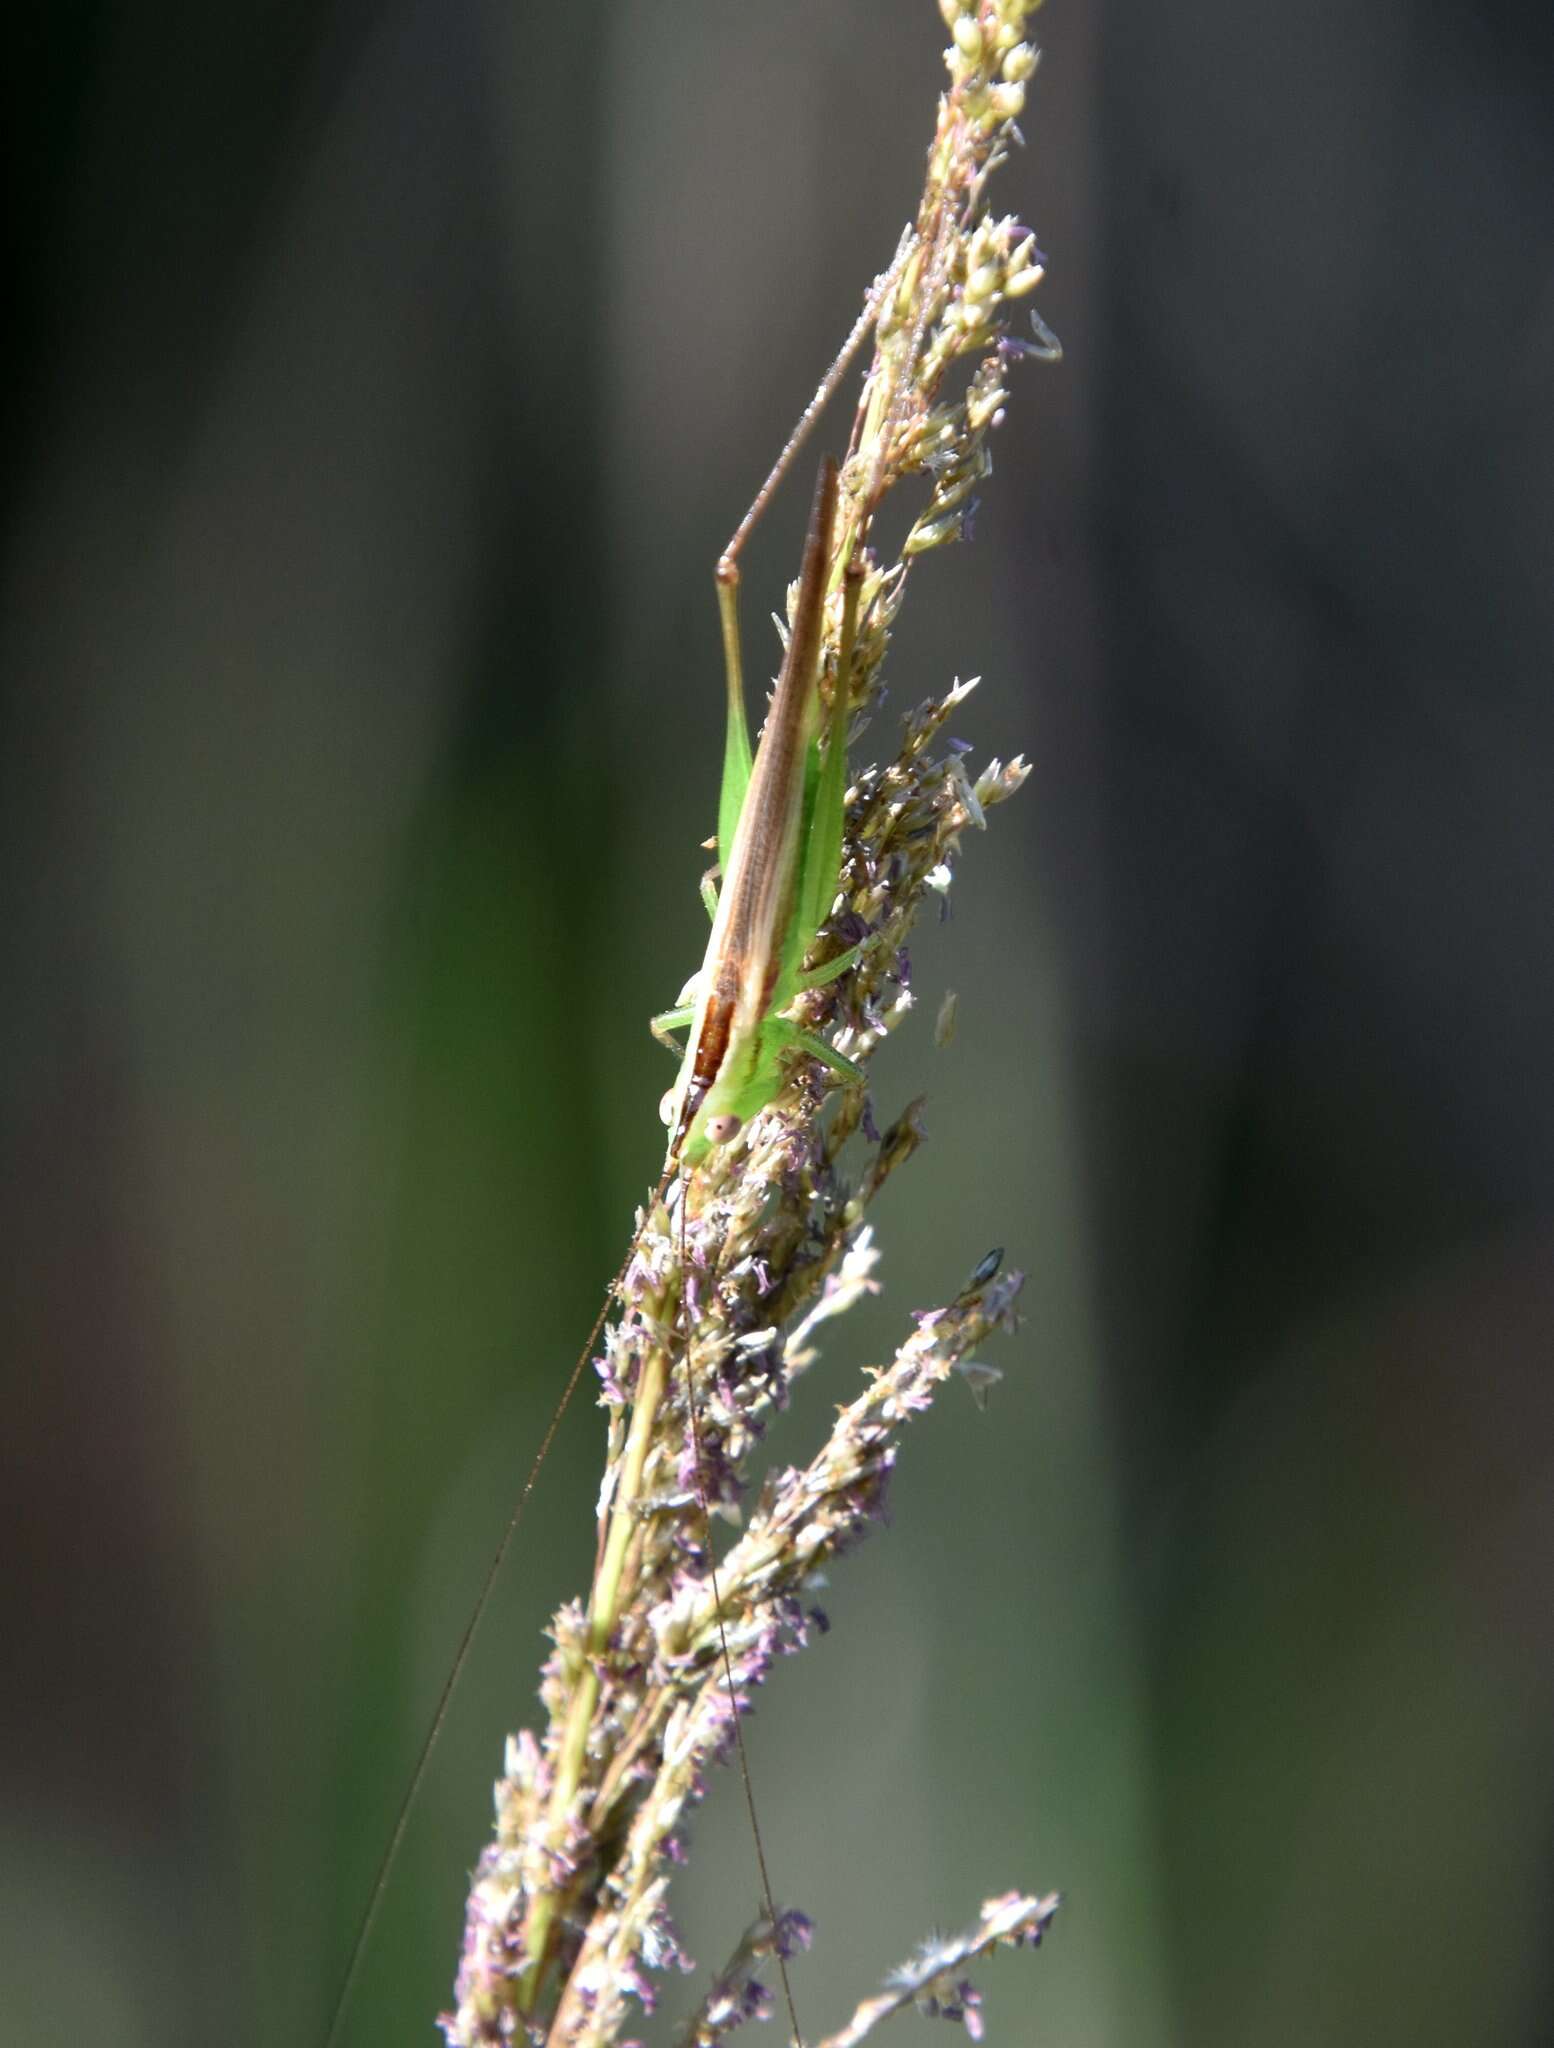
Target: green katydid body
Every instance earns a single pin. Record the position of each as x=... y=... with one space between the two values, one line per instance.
x=779 y=846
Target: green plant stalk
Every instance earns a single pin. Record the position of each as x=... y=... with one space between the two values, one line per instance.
x=603 y=1613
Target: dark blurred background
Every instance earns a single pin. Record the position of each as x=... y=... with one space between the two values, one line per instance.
x=382 y=382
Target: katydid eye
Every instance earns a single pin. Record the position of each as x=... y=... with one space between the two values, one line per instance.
x=721 y=1128
x=666 y=1107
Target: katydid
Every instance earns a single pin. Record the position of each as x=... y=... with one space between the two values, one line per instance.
x=779 y=846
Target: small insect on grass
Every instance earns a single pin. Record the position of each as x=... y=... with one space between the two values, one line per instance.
x=757 y=1232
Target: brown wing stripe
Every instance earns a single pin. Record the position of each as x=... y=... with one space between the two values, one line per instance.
x=713 y=1043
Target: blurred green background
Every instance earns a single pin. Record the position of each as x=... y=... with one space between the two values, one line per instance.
x=384 y=384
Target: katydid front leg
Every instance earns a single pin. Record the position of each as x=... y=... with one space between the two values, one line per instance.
x=668 y=1021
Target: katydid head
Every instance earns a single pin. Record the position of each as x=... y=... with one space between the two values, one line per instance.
x=708 y=1115
x=701 y=1133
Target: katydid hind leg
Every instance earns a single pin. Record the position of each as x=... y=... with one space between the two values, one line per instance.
x=736 y=742
x=737 y=754
x=728 y=562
